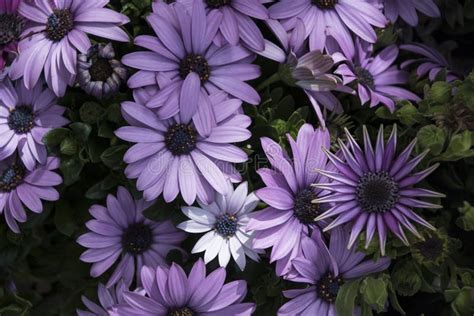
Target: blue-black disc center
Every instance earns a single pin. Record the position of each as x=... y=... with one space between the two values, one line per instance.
x=21 y=119
x=137 y=238
x=226 y=225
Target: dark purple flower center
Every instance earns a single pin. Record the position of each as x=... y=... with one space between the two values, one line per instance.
x=325 y=4
x=377 y=192
x=10 y=28
x=137 y=238
x=180 y=139
x=365 y=77
x=226 y=225
x=12 y=177
x=59 y=24
x=185 y=311
x=305 y=210
x=431 y=248
x=100 y=70
x=197 y=64
x=215 y=4
x=21 y=119
x=328 y=286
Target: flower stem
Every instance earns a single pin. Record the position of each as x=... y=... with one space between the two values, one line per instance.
x=270 y=80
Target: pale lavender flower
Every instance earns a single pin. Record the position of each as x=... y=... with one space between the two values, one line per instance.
x=224 y=222
x=373 y=189
x=120 y=232
x=109 y=298
x=407 y=9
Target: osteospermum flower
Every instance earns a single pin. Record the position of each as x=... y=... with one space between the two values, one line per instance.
x=25 y=117
x=171 y=292
x=335 y=18
x=325 y=271
x=288 y=193
x=377 y=80
x=20 y=187
x=224 y=222
x=121 y=232
x=237 y=24
x=99 y=73
x=432 y=62
x=373 y=189
x=184 y=53
x=11 y=25
x=406 y=9
x=109 y=298
x=180 y=156
x=59 y=29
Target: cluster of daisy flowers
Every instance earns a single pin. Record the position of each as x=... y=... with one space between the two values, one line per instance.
x=190 y=79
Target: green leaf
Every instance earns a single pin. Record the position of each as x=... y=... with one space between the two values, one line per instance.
x=466 y=221
x=55 y=137
x=81 y=131
x=405 y=278
x=374 y=292
x=440 y=92
x=346 y=296
x=68 y=146
x=64 y=218
x=71 y=169
x=409 y=114
x=113 y=157
x=432 y=138
x=91 y=112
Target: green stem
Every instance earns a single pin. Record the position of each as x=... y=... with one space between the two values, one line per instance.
x=271 y=80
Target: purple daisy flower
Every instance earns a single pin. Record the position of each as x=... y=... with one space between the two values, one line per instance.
x=25 y=117
x=121 y=232
x=309 y=71
x=183 y=52
x=224 y=222
x=331 y=18
x=432 y=62
x=373 y=189
x=11 y=25
x=288 y=193
x=181 y=156
x=171 y=292
x=237 y=24
x=59 y=29
x=20 y=187
x=406 y=9
x=325 y=271
x=376 y=78
x=109 y=298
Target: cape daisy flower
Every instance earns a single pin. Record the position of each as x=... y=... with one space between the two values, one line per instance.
x=237 y=24
x=184 y=53
x=172 y=292
x=59 y=29
x=109 y=298
x=325 y=271
x=119 y=231
x=25 y=117
x=11 y=25
x=406 y=10
x=377 y=80
x=335 y=18
x=373 y=189
x=431 y=62
x=224 y=222
x=176 y=155
x=20 y=187
x=288 y=193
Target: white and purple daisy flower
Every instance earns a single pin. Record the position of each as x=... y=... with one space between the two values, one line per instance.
x=289 y=194
x=373 y=189
x=224 y=222
x=325 y=270
x=338 y=19
x=11 y=26
x=179 y=156
x=237 y=25
x=25 y=117
x=172 y=292
x=120 y=232
x=20 y=187
x=376 y=78
x=183 y=52
x=57 y=31
x=432 y=62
